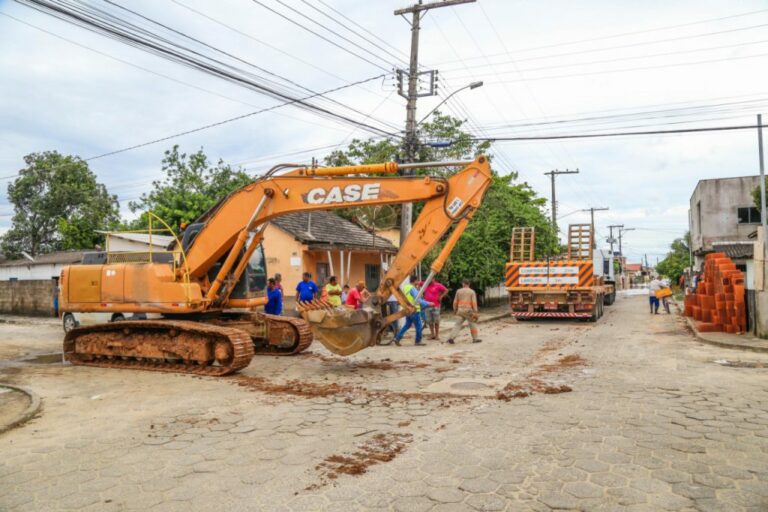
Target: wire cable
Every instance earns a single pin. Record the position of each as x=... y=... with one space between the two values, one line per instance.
x=619 y=134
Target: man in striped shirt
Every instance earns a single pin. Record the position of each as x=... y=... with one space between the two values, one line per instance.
x=465 y=308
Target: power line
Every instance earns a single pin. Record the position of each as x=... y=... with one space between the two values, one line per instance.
x=640 y=68
x=398 y=58
x=153 y=72
x=625 y=34
x=748 y=105
x=403 y=57
x=132 y=35
x=616 y=59
x=205 y=127
x=292 y=82
x=320 y=35
x=618 y=134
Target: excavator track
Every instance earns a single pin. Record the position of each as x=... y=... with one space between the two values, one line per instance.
x=177 y=346
x=272 y=335
x=300 y=327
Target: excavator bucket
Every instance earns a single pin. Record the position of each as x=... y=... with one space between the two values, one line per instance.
x=342 y=330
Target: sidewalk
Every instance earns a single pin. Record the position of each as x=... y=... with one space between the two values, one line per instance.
x=725 y=340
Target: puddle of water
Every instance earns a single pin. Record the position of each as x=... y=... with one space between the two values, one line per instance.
x=741 y=364
x=44 y=359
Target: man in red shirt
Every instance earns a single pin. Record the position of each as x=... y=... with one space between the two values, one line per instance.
x=358 y=296
x=434 y=295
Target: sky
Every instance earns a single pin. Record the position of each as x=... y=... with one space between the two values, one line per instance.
x=602 y=66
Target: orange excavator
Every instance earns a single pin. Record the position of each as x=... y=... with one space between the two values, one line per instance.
x=207 y=288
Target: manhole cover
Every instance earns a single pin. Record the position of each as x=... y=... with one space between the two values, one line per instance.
x=468 y=385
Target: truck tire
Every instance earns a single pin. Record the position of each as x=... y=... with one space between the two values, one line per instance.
x=68 y=322
x=610 y=299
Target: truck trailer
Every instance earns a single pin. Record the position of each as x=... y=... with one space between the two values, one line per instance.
x=577 y=285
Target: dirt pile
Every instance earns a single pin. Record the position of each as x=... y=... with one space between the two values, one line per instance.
x=381 y=448
x=532 y=383
x=294 y=387
x=530 y=387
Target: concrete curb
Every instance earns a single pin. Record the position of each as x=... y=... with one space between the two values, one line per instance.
x=31 y=412
x=723 y=344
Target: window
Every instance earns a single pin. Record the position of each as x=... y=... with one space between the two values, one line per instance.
x=372 y=276
x=748 y=215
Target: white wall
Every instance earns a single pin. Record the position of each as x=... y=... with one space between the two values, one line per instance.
x=31 y=272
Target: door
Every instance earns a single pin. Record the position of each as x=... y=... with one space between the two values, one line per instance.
x=322 y=274
x=372 y=276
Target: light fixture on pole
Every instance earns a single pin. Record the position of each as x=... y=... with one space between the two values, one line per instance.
x=473 y=85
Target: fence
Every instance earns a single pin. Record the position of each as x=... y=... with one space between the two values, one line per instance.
x=35 y=297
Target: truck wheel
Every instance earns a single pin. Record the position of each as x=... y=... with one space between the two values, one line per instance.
x=117 y=317
x=610 y=298
x=68 y=322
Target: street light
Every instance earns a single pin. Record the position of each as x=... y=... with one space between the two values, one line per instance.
x=473 y=85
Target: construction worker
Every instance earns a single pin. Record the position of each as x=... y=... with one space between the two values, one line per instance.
x=465 y=308
x=333 y=292
x=414 y=318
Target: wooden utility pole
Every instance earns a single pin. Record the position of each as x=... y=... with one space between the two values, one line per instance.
x=592 y=214
x=611 y=240
x=410 y=143
x=763 y=212
x=552 y=175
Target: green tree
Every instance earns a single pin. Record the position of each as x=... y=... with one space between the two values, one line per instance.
x=677 y=259
x=756 y=195
x=190 y=186
x=58 y=205
x=483 y=250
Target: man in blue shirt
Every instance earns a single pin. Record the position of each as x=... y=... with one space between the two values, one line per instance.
x=274 y=305
x=306 y=290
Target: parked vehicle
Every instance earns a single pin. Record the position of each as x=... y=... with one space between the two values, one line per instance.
x=577 y=286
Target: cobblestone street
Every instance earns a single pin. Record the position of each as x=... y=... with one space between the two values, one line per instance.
x=630 y=414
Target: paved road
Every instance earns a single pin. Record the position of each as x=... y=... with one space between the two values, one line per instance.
x=627 y=414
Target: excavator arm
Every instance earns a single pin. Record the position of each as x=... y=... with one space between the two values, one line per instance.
x=235 y=227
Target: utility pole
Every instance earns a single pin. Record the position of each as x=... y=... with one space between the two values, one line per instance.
x=552 y=175
x=763 y=212
x=621 y=250
x=410 y=143
x=592 y=214
x=612 y=240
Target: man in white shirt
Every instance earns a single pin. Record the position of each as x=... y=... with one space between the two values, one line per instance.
x=653 y=287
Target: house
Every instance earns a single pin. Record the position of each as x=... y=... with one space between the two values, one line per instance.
x=723 y=216
x=121 y=241
x=42 y=267
x=28 y=286
x=324 y=244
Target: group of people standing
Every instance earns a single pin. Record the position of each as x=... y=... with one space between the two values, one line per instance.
x=427 y=304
